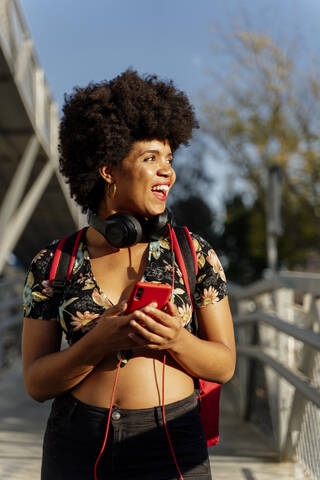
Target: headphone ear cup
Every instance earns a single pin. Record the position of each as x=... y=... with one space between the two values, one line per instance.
x=158 y=223
x=123 y=230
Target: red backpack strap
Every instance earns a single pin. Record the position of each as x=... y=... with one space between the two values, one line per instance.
x=194 y=254
x=74 y=253
x=56 y=260
x=186 y=258
x=63 y=260
x=181 y=263
x=208 y=392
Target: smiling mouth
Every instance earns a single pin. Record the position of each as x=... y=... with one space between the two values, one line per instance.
x=161 y=192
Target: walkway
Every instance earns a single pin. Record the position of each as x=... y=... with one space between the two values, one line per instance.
x=21 y=427
x=243 y=453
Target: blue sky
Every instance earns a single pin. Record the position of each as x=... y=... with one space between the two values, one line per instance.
x=79 y=41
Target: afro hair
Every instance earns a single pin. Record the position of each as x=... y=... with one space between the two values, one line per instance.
x=101 y=122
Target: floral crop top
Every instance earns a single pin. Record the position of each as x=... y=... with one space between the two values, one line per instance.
x=82 y=301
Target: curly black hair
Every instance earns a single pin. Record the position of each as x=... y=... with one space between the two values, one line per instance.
x=101 y=122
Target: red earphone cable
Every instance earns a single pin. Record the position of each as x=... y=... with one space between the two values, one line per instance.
x=165 y=423
x=163 y=407
x=164 y=364
x=108 y=422
x=172 y=253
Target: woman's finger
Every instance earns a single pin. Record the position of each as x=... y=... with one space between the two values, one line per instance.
x=159 y=315
x=137 y=339
x=172 y=309
x=151 y=322
x=151 y=336
x=142 y=342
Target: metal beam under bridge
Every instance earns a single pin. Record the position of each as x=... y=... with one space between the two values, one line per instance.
x=35 y=206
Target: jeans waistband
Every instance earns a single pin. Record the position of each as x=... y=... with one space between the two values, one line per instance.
x=171 y=409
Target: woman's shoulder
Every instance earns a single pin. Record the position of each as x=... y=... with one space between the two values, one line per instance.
x=44 y=256
x=205 y=251
x=38 y=295
x=211 y=279
x=198 y=241
x=41 y=262
x=201 y=245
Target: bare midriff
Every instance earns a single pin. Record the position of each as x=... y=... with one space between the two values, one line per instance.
x=139 y=382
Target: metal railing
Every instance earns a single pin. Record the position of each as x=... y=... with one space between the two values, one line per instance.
x=277 y=324
x=11 y=317
x=278 y=370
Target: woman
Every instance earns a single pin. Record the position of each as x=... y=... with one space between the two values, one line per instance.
x=117 y=140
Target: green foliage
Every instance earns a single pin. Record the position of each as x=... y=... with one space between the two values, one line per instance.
x=193 y=178
x=243 y=241
x=268 y=113
x=197 y=215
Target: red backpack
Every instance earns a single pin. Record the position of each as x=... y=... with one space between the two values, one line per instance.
x=208 y=393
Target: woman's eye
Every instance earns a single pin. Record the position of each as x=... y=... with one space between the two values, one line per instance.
x=153 y=158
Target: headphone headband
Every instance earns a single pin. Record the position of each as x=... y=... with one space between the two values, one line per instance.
x=124 y=229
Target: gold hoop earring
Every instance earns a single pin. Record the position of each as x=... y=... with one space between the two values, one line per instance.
x=112 y=188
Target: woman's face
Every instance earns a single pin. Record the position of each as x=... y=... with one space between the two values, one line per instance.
x=144 y=179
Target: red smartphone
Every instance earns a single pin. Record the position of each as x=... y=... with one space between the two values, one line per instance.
x=144 y=293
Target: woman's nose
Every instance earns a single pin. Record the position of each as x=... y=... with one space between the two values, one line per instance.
x=165 y=169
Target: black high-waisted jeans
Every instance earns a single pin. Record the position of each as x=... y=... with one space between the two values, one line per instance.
x=137 y=446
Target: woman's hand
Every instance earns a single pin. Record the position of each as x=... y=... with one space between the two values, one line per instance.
x=155 y=328
x=114 y=328
x=115 y=310
x=49 y=371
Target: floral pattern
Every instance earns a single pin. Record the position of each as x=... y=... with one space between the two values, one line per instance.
x=77 y=310
x=101 y=299
x=210 y=295
x=214 y=261
x=185 y=314
x=83 y=321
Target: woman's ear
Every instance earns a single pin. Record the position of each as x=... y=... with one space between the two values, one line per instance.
x=106 y=173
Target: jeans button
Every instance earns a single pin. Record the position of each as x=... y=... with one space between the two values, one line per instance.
x=115 y=415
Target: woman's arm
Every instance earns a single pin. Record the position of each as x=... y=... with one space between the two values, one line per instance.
x=212 y=357
x=49 y=372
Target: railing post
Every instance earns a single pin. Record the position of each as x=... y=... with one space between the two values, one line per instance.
x=2 y=294
x=267 y=338
x=289 y=348
x=10 y=316
x=283 y=301
x=304 y=424
x=245 y=337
